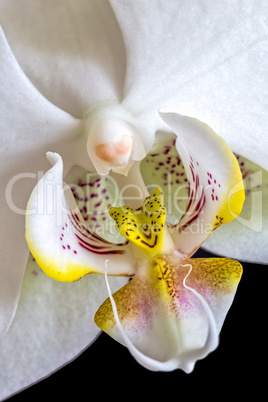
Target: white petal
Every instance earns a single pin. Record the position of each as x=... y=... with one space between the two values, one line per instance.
x=208 y=60
x=72 y=51
x=246 y=238
x=28 y=125
x=54 y=323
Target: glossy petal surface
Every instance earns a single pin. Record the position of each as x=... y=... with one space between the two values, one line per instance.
x=162 y=314
x=28 y=125
x=208 y=60
x=53 y=324
x=75 y=63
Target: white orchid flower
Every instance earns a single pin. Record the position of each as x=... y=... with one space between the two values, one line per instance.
x=102 y=64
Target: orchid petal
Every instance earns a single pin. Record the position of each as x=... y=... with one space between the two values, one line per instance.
x=246 y=238
x=24 y=141
x=209 y=61
x=53 y=324
x=169 y=317
x=75 y=63
x=61 y=241
x=215 y=189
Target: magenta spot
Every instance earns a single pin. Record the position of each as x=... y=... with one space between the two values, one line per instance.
x=63 y=228
x=215 y=181
x=104 y=191
x=216 y=198
x=75 y=252
x=209 y=182
x=63 y=247
x=212 y=196
x=94 y=195
x=98 y=204
x=219 y=185
x=68 y=247
x=66 y=225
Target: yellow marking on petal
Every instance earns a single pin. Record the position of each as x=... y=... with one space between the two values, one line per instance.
x=234 y=200
x=55 y=268
x=145 y=226
x=159 y=287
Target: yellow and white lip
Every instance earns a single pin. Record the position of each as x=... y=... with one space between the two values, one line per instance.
x=170 y=314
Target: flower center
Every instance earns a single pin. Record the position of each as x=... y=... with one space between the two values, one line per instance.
x=145 y=226
x=113 y=141
x=116 y=152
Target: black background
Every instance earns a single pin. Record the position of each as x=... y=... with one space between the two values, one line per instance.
x=237 y=369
